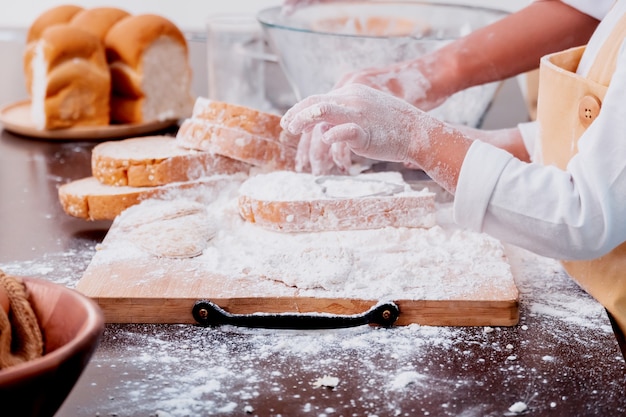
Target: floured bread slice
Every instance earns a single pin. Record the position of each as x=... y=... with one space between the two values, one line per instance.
x=71 y=83
x=299 y=202
x=240 y=133
x=89 y=199
x=156 y=160
x=53 y=16
x=151 y=75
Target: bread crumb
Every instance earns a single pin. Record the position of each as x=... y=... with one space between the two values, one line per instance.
x=518 y=407
x=326 y=381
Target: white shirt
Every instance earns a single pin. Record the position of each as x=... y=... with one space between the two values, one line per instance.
x=577 y=213
x=595 y=8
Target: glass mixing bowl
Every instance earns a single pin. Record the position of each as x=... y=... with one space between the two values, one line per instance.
x=316 y=45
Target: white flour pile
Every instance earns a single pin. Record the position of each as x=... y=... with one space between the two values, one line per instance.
x=389 y=263
x=287 y=186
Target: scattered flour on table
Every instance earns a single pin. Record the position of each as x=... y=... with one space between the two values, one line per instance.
x=188 y=370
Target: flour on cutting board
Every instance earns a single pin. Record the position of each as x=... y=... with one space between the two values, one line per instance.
x=388 y=263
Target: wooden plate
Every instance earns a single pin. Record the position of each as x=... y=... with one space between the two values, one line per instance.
x=16 y=118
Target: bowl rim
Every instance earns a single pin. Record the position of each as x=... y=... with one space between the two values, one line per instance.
x=92 y=326
x=267 y=16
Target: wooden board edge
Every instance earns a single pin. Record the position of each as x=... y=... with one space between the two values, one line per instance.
x=422 y=312
x=471 y=313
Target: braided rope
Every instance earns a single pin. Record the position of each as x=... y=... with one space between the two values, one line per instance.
x=20 y=336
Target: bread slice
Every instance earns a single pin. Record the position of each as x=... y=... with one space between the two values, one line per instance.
x=299 y=202
x=53 y=16
x=98 y=20
x=89 y=199
x=150 y=71
x=240 y=133
x=156 y=160
x=71 y=83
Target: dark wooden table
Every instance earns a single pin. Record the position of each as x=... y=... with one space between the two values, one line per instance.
x=561 y=360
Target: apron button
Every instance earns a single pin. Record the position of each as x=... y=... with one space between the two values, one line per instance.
x=588 y=110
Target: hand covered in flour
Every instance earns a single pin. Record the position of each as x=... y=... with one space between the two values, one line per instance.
x=319 y=157
x=379 y=126
x=370 y=123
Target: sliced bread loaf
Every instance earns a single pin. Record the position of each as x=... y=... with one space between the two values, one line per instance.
x=150 y=71
x=240 y=133
x=89 y=199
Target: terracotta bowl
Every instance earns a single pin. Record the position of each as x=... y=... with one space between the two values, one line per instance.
x=72 y=326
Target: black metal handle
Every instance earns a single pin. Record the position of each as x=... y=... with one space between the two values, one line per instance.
x=208 y=313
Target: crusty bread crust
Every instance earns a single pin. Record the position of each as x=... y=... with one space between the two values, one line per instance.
x=129 y=38
x=127 y=43
x=255 y=122
x=98 y=20
x=64 y=43
x=88 y=199
x=403 y=208
x=78 y=80
x=267 y=153
x=155 y=160
x=54 y=16
x=238 y=132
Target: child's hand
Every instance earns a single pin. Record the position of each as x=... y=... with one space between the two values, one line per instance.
x=319 y=157
x=371 y=123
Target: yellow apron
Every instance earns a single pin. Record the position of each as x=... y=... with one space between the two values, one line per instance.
x=567 y=104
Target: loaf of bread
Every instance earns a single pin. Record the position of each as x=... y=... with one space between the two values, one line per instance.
x=89 y=199
x=150 y=72
x=71 y=83
x=300 y=202
x=156 y=160
x=240 y=133
x=54 y=16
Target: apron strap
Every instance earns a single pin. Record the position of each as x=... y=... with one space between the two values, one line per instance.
x=604 y=63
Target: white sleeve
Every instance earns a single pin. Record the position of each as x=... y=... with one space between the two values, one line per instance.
x=530 y=137
x=577 y=213
x=594 y=8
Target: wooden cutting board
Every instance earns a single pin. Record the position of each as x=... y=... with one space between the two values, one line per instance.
x=135 y=286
